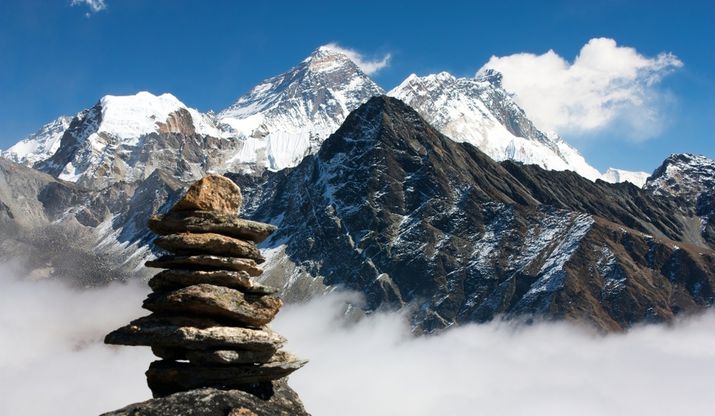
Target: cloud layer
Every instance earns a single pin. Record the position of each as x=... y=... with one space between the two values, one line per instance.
x=53 y=361
x=606 y=86
x=375 y=367
x=368 y=66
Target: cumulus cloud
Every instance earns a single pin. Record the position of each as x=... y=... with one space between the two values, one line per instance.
x=94 y=5
x=368 y=66
x=606 y=86
x=53 y=361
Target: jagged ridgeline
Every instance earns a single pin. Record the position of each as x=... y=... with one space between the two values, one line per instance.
x=209 y=320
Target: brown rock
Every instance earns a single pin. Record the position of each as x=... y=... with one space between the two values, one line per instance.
x=193 y=334
x=216 y=301
x=239 y=280
x=211 y=193
x=210 y=222
x=209 y=243
x=206 y=262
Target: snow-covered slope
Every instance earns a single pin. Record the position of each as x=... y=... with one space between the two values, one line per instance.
x=614 y=175
x=287 y=117
x=480 y=112
x=40 y=145
x=124 y=138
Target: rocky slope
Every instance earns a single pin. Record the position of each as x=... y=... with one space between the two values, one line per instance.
x=55 y=228
x=394 y=209
x=689 y=181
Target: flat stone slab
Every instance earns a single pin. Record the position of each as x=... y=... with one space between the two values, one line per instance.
x=206 y=262
x=166 y=377
x=223 y=357
x=194 y=334
x=210 y=222
x=239 y=280
x=209 y=243
x=211 y=193
x=216 y=301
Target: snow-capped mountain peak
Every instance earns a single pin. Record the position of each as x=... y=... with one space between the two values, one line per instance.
x=39 y=145
x=684 y=175
x=287 y=116
x=480 y=112
x=131 y=116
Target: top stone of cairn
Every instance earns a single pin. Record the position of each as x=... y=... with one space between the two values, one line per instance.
x=211 y=193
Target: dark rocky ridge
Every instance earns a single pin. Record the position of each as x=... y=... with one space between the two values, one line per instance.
x=397 y=211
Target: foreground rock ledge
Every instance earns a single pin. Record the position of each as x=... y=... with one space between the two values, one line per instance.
x=214 y=402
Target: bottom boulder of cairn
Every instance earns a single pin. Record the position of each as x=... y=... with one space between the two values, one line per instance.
x=210 y=319
x=215 y=402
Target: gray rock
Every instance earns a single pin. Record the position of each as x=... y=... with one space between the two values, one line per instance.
x=216 y=301
x=210 y=222
x=209 y=243
x=239 y=280
x=191 y=333
x=206 y=262
x=213 y=402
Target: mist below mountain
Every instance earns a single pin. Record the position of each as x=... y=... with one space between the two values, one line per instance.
x=54 y=361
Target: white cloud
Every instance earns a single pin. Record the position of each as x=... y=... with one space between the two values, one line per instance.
x=94 y=5
x=52 y=361
x=606 y=86
x=368 y=66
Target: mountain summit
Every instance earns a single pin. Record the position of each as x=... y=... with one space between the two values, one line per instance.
x=480 y=112
x=287 y=117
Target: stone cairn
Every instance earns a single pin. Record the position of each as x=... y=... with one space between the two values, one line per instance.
x=209 y=321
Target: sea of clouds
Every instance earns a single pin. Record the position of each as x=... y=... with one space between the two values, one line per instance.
x=52 y=360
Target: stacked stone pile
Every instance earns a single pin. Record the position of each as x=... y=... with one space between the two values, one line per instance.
x=209 y=321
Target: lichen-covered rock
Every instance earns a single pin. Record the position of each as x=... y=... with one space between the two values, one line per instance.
x=191 y=333
x=209 y=243
x=239 y=280
x=206 y=261
x=210 y=222
x=213 y=402
x=206 y=300
x=211 y=193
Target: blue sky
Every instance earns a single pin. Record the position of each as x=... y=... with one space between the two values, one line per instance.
x=57 y=59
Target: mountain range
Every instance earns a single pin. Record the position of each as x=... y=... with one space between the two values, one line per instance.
x=440 y=196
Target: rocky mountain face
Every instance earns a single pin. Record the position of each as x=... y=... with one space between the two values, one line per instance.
x=57 y=229
x=285 y=118
x=689 y=181
x=394 y=209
